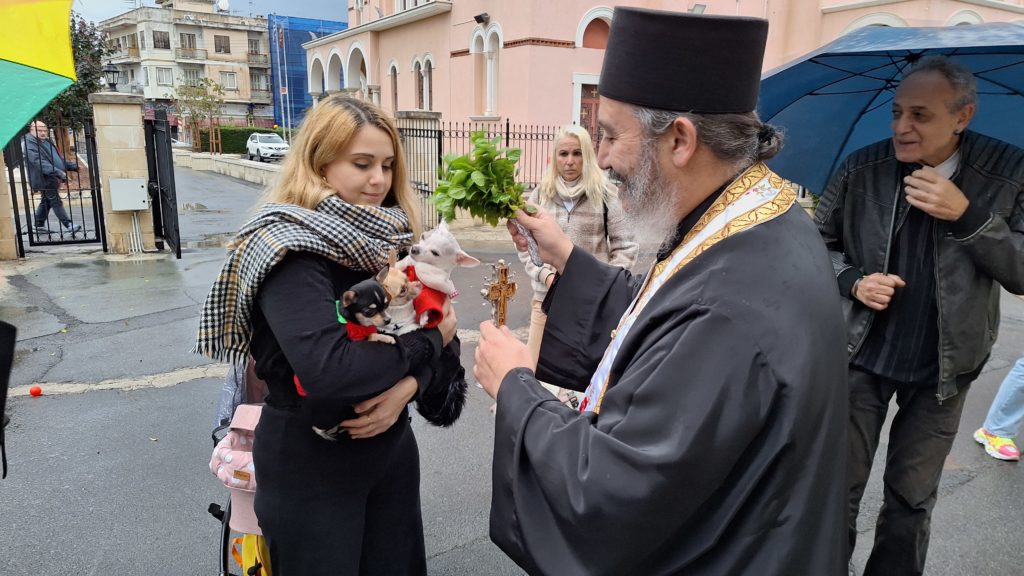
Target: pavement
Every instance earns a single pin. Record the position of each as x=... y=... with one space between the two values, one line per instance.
x=108 y=468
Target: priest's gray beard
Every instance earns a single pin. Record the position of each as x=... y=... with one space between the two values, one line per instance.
x=650 y=202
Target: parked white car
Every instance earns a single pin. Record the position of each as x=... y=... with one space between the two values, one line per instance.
x=265 y=147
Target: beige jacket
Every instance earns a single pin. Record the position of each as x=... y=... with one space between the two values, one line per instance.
x=585 y=227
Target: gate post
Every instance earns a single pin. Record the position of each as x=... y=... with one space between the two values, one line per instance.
x=121 y=148
x=8 y=240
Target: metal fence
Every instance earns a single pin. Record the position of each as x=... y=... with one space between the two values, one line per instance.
x=427 y=141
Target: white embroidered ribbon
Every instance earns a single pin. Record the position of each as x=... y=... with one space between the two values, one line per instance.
x=760 y=193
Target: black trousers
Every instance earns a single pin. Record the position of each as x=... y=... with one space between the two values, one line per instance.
x=920 y=438
x=51 y=200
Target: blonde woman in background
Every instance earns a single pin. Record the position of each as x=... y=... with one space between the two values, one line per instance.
x=577 y=192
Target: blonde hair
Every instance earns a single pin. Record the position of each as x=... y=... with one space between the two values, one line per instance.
x=594 y=180
x=327 y=132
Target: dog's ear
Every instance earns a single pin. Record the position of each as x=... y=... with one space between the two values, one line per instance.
x=348 y=298
x=392 y=258
x=465 y=260
x=383 y=274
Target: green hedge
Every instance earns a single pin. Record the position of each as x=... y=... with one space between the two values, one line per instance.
x=233 y=138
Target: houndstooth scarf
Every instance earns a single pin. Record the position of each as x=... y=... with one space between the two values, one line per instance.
x=357 y=237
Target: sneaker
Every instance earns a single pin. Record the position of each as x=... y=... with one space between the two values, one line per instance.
x=997 y=447
x=75 y=229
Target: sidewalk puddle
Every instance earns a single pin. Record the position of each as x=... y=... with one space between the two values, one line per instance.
x=209 y=241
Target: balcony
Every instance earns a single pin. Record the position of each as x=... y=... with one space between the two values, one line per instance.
x=189 y=54
x=125 y=55
x=262 y=96
x=262 y=60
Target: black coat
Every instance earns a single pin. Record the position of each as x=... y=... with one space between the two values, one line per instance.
x=45 y=166
x=347 y=506
x=720 y=444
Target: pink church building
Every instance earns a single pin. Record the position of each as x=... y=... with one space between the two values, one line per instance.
x=539 y=61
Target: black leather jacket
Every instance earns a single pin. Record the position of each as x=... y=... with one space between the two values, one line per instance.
x=973 y=255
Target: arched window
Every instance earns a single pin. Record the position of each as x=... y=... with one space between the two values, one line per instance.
x=596 y=34
x=394 y=88
x=428 y=85
x=492 y=49
x=417 y=75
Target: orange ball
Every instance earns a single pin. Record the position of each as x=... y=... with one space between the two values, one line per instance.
x=35 y=390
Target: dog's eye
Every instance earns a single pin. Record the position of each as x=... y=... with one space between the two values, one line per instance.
x=402 y=291
x=370 y=312
x=434 y=252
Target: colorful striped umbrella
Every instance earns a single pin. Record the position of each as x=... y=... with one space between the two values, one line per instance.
x=36 y=63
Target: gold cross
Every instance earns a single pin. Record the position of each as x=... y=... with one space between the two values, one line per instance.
x=500 y=289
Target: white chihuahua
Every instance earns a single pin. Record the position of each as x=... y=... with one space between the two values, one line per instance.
x=431 y=262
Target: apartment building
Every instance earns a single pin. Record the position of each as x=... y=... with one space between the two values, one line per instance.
x=178 y=42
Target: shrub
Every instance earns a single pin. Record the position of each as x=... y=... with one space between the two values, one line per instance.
x=233 y=138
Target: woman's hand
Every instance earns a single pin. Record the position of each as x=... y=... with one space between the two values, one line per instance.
x=378 y=414
x=449 y=324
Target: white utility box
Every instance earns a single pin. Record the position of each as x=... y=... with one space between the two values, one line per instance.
x=128 y=194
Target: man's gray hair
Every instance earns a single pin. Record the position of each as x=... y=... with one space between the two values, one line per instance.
x=741 y=139
x=960 y=77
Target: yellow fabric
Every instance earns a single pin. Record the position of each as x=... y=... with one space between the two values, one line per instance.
x=254 y=553
x=37 y=33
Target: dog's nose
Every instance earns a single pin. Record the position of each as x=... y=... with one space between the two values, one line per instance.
x=415 y=250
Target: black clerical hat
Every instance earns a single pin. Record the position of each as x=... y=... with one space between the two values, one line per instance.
x=684 y=62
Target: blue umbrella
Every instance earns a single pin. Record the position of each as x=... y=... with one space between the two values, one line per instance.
x=838 y=98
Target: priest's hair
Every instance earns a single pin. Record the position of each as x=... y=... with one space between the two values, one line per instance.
x=741 y=139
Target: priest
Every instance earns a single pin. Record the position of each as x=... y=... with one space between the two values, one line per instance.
x=711 y=439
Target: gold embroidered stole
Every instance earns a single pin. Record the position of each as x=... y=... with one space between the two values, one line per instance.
x=755 y=197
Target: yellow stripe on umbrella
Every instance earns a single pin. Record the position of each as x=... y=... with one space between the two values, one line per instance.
x=36 y=63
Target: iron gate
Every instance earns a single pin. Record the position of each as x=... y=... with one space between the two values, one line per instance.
x=427 y=141
x=55 y=173
x=160 y=161
x=421 y=142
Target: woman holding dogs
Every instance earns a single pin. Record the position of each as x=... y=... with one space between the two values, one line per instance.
x=577 y=193
x=346 y=503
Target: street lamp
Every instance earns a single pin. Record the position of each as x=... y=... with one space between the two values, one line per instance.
x=111 y=73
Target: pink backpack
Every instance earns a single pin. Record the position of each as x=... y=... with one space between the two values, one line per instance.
x=232 y=463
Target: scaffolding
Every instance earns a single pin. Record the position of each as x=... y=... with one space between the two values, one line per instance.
x=291 y=82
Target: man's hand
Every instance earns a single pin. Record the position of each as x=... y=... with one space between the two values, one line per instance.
x=379 y=413
x=876 y=290
x=553 y=244
x=929 y=191
x=497 y=354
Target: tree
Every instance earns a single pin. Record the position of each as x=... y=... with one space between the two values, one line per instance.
x=71 y=107
x=198 y=103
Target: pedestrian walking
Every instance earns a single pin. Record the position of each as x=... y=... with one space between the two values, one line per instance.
x=1005 y=417
x=47 y=170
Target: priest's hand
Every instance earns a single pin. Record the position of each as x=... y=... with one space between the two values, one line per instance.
x=937 y=196
x=876 y=290
x=498 y=353
x=553 y=244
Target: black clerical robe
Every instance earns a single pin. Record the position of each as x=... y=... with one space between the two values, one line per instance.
x=720 y=443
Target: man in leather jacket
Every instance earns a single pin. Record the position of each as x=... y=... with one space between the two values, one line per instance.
x=922 y=229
